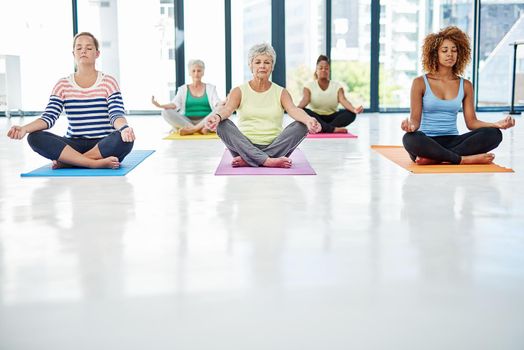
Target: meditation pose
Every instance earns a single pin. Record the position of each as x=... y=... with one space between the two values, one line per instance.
x=323 y=97
x=192 y=104
x=431 y=130
x=98 y=135
x=260 y=104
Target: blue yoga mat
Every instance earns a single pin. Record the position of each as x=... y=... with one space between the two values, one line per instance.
x=130 y=162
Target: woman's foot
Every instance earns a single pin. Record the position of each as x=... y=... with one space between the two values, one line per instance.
x=483 y=158
x=108 y=163
x=59 y=165
x=238 y=162
x=281 y=162
x=188 y=130
x=104 y=163
x=340 y=131
x=426 y=161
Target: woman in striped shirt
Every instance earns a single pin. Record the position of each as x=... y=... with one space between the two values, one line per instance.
x=98 y=135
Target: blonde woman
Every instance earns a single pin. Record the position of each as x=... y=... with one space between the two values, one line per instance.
x=98 y=135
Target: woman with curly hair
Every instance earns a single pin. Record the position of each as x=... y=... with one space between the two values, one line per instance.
x=431 y=135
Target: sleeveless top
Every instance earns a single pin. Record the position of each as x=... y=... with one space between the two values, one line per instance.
x=439 y=117
x=197 y=106
x=260 y=114
x=323 y=102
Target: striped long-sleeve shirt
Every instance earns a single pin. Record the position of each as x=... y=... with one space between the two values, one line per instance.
x=91 y=111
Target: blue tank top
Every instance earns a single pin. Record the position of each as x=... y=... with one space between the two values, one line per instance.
x=439 y=117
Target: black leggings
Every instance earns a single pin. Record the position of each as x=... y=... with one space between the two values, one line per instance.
x=450 y=148
x=329 y=122
x=50 y=146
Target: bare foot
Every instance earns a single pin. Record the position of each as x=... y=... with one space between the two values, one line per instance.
x=59 y=165
x=205 y=131
x=282 y=162
x=483 y=158
x=109 y=163
x=238 y=162
x=187 y=130
x=340 y=131
x=426 y=161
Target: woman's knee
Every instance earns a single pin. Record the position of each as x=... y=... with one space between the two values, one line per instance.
x=39 y=141
x=45 y=144
x=223 y=126
x=125 y=149
x=299 y=128
x=411 y=138
x=493 y=134
x=349 y=116
x=36 y=138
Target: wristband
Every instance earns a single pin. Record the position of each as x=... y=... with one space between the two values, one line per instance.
x=123 y=128
x=219 y=116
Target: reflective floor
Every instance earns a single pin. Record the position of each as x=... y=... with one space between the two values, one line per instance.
x=363 y=255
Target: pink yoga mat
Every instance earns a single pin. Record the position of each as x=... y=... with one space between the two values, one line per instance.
x=300 y=166
x=332 y=136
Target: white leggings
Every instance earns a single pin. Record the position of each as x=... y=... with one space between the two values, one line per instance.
x=178 y=120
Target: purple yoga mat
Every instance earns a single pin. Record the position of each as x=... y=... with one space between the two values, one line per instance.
x=332 y=136
x=300 y=166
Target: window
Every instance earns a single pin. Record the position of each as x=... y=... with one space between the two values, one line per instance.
x=502 y=22
x=304 y=42
x=350 y=48
x=405 y=27
x=250 y=25
x=136 y=54
x=204 y=39
x=43 y=46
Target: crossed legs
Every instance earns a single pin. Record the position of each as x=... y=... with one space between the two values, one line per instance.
x=276 y=154
x=468 y=148
x=107 y=152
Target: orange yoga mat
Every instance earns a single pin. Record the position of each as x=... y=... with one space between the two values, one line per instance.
x=398 y=155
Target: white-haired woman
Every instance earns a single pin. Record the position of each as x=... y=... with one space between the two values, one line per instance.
x=192 y=104
x=260 y=139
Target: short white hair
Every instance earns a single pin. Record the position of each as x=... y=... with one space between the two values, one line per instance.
x=199 y=63
x=261 y=49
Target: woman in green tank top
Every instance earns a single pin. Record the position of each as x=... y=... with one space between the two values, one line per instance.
x=260 y=139
x=192 y=104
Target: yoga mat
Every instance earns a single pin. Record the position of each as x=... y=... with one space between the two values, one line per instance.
x=130 y=162
x=176 y=136
x=332 y=136
x=398 y=155
x=300 y=166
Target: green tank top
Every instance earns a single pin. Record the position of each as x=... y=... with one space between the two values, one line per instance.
x=197 y=106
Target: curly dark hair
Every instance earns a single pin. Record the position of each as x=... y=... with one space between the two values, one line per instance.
x=432 y=43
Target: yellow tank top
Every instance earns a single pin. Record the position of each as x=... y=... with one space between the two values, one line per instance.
x=260 y=114
x=323 y=102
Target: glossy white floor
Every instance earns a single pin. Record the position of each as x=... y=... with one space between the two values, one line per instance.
x=362 y=256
